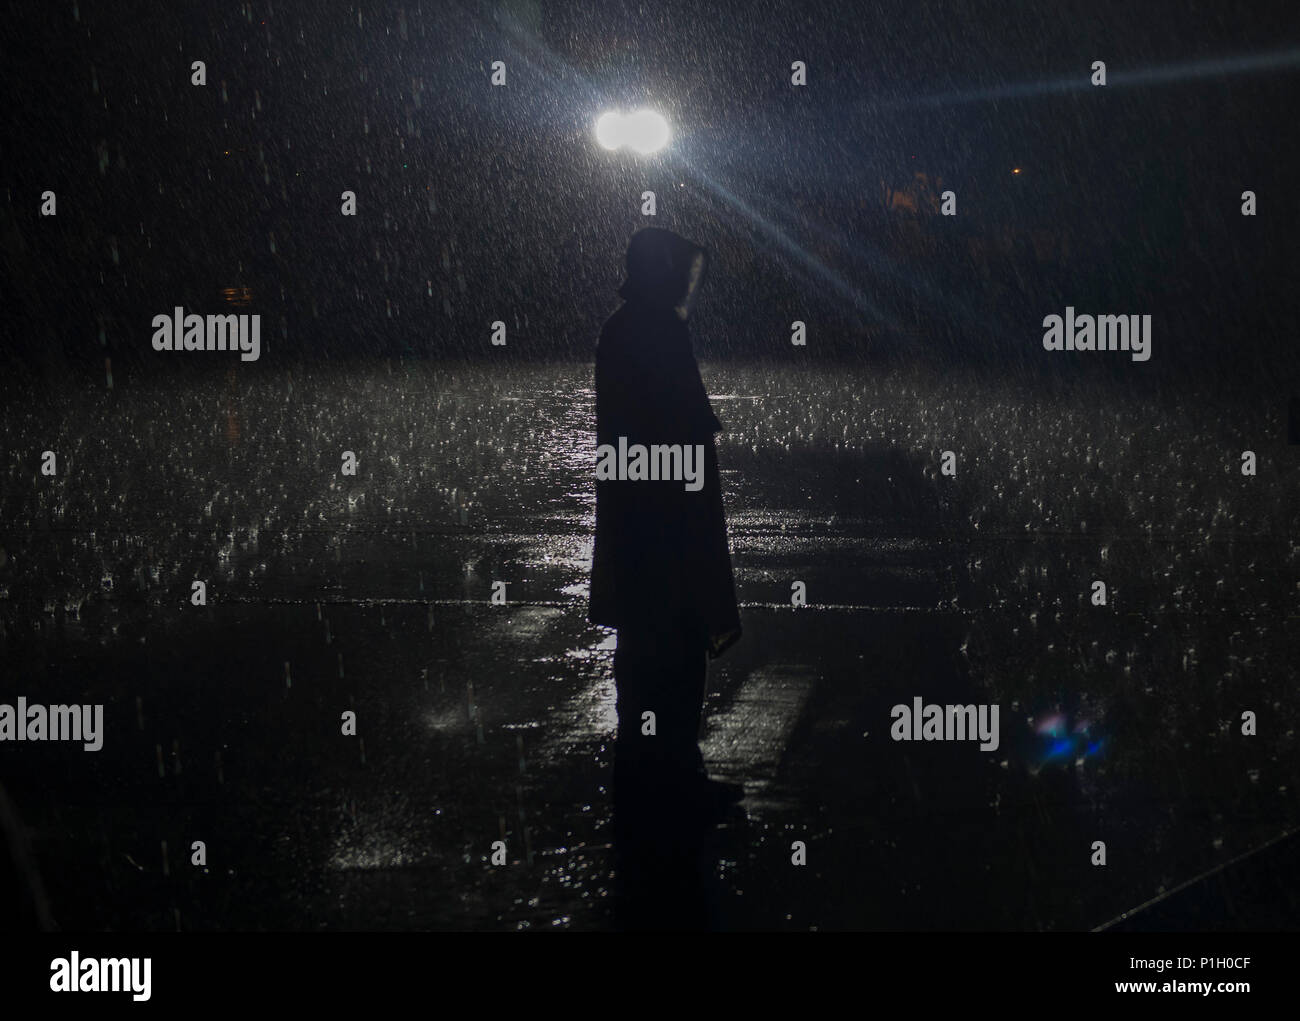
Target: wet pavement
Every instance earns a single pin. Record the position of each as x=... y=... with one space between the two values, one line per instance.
x=479 y=722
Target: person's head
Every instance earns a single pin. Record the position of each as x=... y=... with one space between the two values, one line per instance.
x=664 y=270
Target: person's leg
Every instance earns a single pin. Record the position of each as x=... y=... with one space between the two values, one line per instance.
x=636 y=669
x=659 y=667
x=689 y=671
x=627 y=693
x=696 y=791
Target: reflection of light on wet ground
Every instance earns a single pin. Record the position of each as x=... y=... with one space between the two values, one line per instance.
x=374 y=855
x=589 y=714
x=1061 y=742
x=600 y=650
x=381 y=836
x=447 y=720
x=569 y=552
x=528 y=623
x=745 y=743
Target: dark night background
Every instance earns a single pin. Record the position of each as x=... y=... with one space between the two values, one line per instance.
x=819 y=204
x=477 y=203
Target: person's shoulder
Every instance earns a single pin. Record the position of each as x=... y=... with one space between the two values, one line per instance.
x=615 y=319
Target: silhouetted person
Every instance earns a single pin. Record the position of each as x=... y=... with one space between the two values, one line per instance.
x=661 y=570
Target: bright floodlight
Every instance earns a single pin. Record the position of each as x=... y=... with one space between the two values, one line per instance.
x=609 y=130
x=645 y=131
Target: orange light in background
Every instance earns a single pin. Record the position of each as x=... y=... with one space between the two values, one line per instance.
x=1016 y=170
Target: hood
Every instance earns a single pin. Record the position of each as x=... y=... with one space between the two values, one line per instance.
x=664 y=270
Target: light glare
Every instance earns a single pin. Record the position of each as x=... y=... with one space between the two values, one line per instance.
x=609 y=130
x=644 y=131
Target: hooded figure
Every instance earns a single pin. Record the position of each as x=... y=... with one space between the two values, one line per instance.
x=659 y=548
x=661 y=570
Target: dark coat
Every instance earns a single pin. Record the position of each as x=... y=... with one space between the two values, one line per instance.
x=660 y=551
